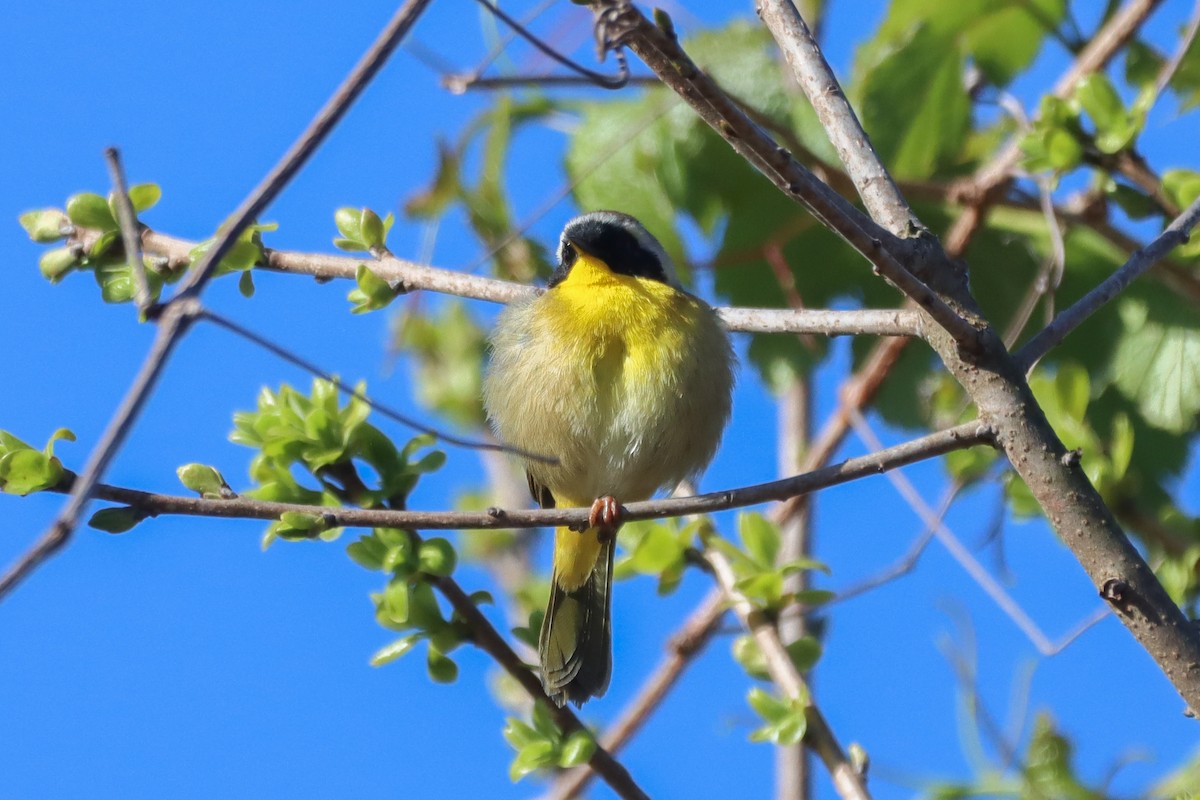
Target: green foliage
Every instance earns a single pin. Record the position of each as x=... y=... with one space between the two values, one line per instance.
x=1001 y=38
x=541 y=745
x=244 y=254
x=1060 y=139
x=328 y=441
x=760 y=578
x=371 y=292
x=927 y=131
x=786 y=718
x=116 y=520
x=25 y=469
x=89 y=223
x=205 y=481
x=362 y=230
x=447 y=348
x=660 y=548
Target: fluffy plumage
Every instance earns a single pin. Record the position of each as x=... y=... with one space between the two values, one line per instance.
x=626 y=379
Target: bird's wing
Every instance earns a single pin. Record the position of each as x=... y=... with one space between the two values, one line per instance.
x=541 y=494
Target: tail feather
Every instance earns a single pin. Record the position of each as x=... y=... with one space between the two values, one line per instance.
x=575 y=644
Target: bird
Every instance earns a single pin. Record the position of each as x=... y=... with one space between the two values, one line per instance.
x=625 y=381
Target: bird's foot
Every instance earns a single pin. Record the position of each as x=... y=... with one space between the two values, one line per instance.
x=605 y=515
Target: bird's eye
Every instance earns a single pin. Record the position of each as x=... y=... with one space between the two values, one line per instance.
x=568 y=254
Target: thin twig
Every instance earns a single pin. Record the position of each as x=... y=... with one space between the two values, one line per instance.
x=127 y=218
x=488 y=639
x=930 y=446
x=908 y=561
x=596 y=78
x=1174 y=235
x=176 y=316
x=846 y=780
x=292 y=358
x=991 y=181
x=991 y=587
x=688 y=641
x=409 y=276
x=1168 y=70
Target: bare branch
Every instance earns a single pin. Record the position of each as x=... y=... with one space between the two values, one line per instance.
x=1185 y=43
x=1174 y=235
x=407 y=421
x=818 y=736
x=127 y=218
x=488 y=639
x=931 y=446
x=177 y=316
x=663 y=55
x=409 y=276
x=682 y=649
x=872 y=181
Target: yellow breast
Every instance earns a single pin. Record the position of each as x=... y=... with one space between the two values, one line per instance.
x=626 y=380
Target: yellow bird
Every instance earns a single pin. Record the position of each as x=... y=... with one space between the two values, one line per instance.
x=626 y=379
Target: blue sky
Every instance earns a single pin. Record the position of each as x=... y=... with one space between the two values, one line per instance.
x=180 y=660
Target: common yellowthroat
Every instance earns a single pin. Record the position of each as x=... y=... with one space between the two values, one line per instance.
x=626 y=379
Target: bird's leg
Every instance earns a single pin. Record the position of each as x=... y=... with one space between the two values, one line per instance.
x=605 y=515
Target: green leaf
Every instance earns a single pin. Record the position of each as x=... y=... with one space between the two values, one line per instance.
x=1157 y=364
x=577 y=749
x=115 y=520
x=44 y=226
x=532 y=757
x=89 y=210
x=437 y=557
x=805 y=653
x=246 y=284
x=349 y=224
x=373 y=292
x=367 y=552
x=760 y=537
x=1182 y=186
x=372 y=229
x=923 y=134
x=205 y=481
x=389 y=653
x=441 y=667
x=55 y=264
x=748 y=654
x=23 y=472
x=144 y=196
x=658 y=549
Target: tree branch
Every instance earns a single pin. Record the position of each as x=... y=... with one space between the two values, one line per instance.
x=871 y=180
x=177 y=315
x=1172 y=236
x=683 y=647
x=933 y=445
x=818 y=736
x=663 y=55
x=488 y=639
x=409 y=276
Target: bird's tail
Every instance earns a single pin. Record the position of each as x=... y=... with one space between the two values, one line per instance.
x=575 y=644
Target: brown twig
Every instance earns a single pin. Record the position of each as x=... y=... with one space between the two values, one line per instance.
x=488 y=639
x=663 y=55
x=991 y=181
x=409 y=275
x=682 y=649
x=819 y=737
x=930 y=446
x=1174 y=235
x=127 y=219
x=177 y=316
